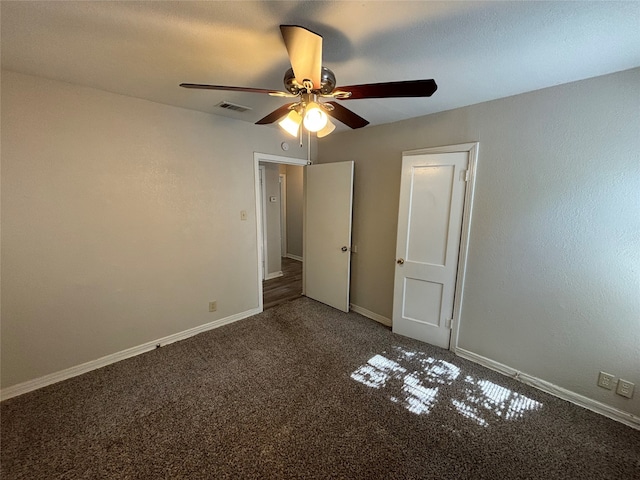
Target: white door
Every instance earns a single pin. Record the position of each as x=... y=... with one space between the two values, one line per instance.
x=327 y=233
x=432 y=193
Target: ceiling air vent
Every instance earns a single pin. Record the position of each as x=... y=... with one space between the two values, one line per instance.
x=233 y=106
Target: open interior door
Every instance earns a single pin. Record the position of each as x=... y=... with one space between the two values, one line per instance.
x=327 y=233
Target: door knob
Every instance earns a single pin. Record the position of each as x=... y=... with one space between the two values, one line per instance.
x=344 y=249
x=400 y=261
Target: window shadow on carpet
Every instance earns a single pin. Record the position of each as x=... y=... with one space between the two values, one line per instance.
x=414 y=379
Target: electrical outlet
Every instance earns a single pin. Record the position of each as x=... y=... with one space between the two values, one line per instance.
x=243 y=214
x=605 y=380
x=213 y=306
x=625 y=388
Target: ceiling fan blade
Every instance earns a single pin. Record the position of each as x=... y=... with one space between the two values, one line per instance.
x=305 y=53
x=346 y=116
x=233 y=89
x=410 y=88
x=275 y=115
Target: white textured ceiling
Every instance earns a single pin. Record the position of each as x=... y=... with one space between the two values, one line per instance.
x=476 y=51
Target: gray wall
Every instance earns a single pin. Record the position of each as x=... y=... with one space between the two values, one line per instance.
x=120 y=222
x=295 y=206
x=272 y=210
x=553 y=274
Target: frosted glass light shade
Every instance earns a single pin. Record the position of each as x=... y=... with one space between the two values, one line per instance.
x=314 y=118
x=291 y=123
x=329 y=127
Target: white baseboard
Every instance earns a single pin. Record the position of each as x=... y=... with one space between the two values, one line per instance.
x=67 y=373
x=271 y=276
x=369 y=314
x=613 y=413
x=294 y=257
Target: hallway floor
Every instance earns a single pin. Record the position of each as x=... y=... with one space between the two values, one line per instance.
x=285 y=288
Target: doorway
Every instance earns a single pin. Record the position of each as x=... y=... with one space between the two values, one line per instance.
x=326 y=231
x=279 y=226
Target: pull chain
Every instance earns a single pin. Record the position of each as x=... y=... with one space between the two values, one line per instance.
x=301 y=136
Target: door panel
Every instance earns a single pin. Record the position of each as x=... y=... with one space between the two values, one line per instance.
x=327 y=235
x=422 y=301
x=431 y=192
x=429 y=226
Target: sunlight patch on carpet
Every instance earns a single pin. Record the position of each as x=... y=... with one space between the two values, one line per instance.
x=412 y=379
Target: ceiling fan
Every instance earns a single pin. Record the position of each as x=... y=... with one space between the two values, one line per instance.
x=309 y=81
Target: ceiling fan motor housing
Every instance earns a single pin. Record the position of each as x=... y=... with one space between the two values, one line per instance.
x=327 y=78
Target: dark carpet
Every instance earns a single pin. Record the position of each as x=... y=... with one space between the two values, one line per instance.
x=304 y=391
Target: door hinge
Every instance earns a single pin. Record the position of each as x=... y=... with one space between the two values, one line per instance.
x=449 y=323
x=464 y=175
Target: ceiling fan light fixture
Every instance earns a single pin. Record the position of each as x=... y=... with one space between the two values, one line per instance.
x=329 y=127
x=308 y=80
x=314 y=117
x=291 y=123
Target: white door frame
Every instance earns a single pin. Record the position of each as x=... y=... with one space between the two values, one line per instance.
x=257 y=158
x=472 y=149
x=262 y=212
x=283 y=215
